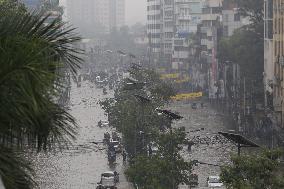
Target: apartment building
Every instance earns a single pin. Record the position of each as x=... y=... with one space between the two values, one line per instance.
x=268 y=75
x=154 y=30
x=187 y=17
x=32 y=4
x=170 y=23
x=231 y=18
x=209 y=35
x=167 y=31
x=278 y=59
x=96 y=17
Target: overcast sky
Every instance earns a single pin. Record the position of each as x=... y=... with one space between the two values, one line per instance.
x=135 y=11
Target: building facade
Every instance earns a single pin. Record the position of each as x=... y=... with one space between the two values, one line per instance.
x=268 y=75
x=278 y=59
x=187 y=17
x=32 y=4
x=209 y=35
x=96 y=17
x=154 y=30
x=170 y=22
x=231 y=18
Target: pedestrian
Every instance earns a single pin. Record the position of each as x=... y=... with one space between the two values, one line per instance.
x=189 y=145
x=124 y=155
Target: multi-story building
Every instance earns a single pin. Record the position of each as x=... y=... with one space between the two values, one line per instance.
x=95 y=17
x=278 y=59
x=167 y=31
x=231 y=18
x=154 y=30
x=169 y=24
x=47 y=7
x=32 y=4
x=187 y=17
x=268 y=75
x=210 y=33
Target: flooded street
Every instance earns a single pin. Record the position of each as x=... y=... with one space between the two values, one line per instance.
x=202 y=126
x=80 y=166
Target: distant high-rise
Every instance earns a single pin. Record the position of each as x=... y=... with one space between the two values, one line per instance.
x=169 y=25
x=32 y=4
x=95 y=17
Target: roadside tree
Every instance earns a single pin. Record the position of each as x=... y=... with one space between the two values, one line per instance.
x=254 y=172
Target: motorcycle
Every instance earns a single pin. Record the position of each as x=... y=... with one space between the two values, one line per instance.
x=111 y=156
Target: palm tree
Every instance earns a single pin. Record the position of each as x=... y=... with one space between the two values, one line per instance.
x=31 y=53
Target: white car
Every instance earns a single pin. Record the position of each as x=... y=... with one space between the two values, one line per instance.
x=214 y=182
x=108 y=180
x=103 y=123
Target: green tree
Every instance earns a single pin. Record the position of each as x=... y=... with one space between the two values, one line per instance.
x=252 y=9
x=246 y=46
x=254 y=172
x=129 y=115
x=31 y=53
x=164 y=170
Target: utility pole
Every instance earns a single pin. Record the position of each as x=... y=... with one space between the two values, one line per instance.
x=244 y=104
x=244 y=96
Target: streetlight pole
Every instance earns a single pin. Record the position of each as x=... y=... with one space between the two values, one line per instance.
x=171 y=116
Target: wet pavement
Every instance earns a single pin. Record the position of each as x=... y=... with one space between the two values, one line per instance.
x=80 y=166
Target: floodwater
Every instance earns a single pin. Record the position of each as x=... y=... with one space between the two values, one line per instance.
x=202 y=126
x=80 y=166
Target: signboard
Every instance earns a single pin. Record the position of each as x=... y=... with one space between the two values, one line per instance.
x=169 y=76
x=184 y=80
x=186 y=96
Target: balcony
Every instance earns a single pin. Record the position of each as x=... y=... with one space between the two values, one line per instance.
x=180 y=54
x=209 y=17
x=210 y=44
x=213 y=3
x=184 y=17
x=204 y=29
x=204 y=42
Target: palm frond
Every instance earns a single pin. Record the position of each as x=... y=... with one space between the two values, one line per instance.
x=15 y=171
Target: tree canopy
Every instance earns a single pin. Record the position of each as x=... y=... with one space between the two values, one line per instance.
x=254 y=171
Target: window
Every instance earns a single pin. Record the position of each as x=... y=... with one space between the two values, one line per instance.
x=153 y=7
x=168 y=2
x=154 y=26
x=169 y=24
x=169 y=13
x=226 y=31
x=237 y=17
x=226 y=18
x=178 y=42
x=168 y=35
x=168 y=45
x=155 y=35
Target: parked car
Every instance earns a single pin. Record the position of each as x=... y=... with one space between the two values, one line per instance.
x=214 y=182
x=108 y=180
x=194 y=105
